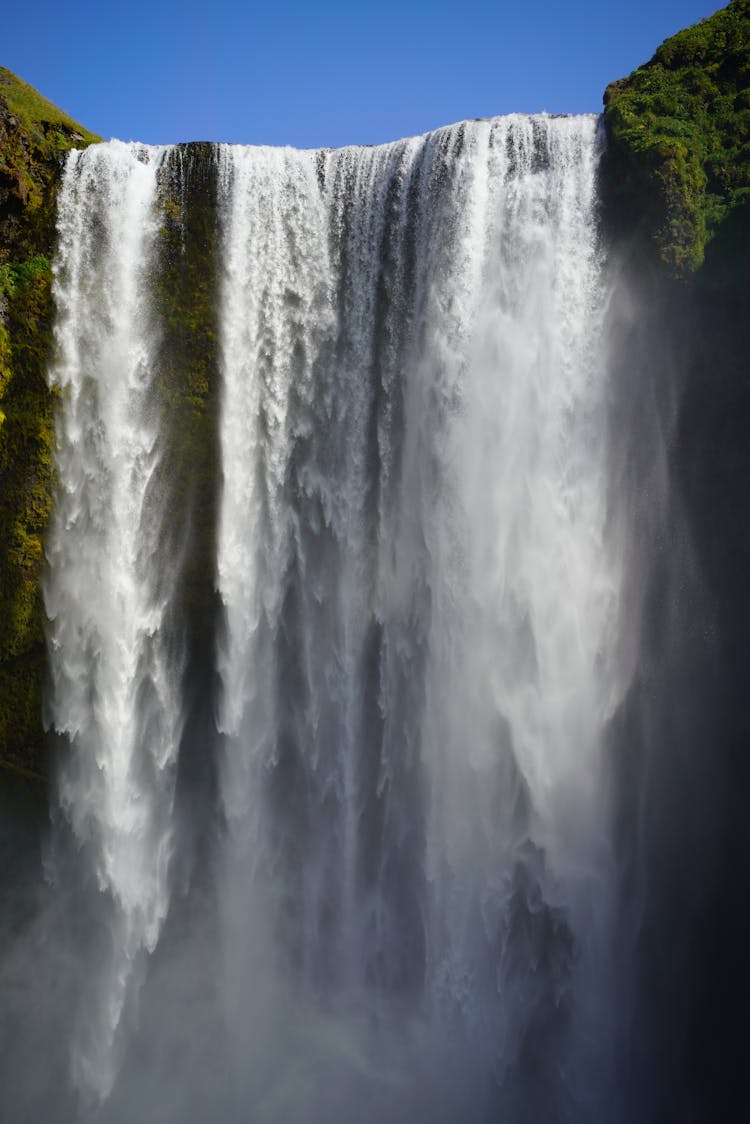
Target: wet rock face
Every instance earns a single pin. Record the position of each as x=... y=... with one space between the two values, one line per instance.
x=675 y=188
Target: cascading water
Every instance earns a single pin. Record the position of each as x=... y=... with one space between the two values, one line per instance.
x=419 y=600
x=115 y=677
x=415 y=661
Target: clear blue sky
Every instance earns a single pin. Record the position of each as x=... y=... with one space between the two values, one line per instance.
x=326 y=73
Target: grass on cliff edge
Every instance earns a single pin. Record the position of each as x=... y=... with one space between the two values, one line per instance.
x=33 y=110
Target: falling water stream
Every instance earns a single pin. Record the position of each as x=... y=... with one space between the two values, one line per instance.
x=415 y=662
x=115 y=679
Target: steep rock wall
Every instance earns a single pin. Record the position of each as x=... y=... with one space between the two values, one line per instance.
x=34 y=135
x=676 y=191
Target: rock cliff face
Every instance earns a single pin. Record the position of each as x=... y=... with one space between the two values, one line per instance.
x=676 y=193
x=33 y=137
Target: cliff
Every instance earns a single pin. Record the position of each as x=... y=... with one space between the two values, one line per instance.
x=677 y=168
x=675 y=185
x=33 y=137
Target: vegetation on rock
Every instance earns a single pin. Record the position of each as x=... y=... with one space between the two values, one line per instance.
x=677 y=168
x=33 y=135
x=185 y=292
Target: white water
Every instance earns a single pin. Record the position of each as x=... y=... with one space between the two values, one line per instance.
x=416 y=660
x=416 y=672
x=115 y=680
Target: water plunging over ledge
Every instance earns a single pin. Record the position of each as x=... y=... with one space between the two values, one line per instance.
x=409 y=906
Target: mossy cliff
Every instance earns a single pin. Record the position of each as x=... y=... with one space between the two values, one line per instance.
x=34 y=135
x=678 y=159
x=675 y=183
x=186 y=295
x=185 y=291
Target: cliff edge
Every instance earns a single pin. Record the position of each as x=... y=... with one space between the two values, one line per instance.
x=34 y=135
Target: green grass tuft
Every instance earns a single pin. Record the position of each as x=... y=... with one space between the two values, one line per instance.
x=38 y=115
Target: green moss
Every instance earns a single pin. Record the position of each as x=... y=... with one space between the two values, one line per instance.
x=678 y=161
x=33 y=136
x=26 y=443
x=185 y=289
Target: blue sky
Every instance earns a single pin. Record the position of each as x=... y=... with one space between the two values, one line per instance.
x=325 y=73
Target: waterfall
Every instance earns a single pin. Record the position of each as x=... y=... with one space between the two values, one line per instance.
x=411 y=876
x=115 y=675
